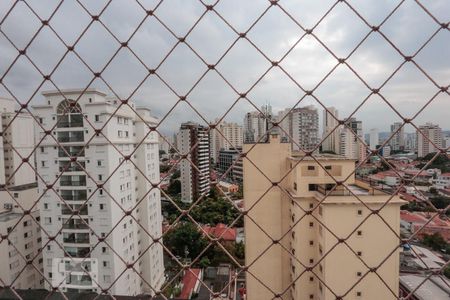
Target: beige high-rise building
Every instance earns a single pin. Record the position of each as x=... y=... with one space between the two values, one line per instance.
x=297 y=233
x=429 y=134
x=16 y=143
x=225 y=136
x=24 y=238
x=330 y=130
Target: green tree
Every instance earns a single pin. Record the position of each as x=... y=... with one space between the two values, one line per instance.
x=435 y=241
x=162 y=152
x=185 y=240
x=164 y=168
x=174 y=188
x=214 y=211
x=447 y=272
x=239 y=250
x=440 y=202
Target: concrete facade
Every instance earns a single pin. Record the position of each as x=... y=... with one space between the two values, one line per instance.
x=310 y=240
x=428 y=138
x=193 y=140
x=16 y=143
x=99 y=176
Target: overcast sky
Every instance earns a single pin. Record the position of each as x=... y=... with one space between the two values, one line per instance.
x=275 y=33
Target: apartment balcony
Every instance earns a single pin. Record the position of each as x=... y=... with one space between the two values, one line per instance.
x=74 y=195
x=83 y=280
x=70 y=121
x=76 y=238
x=72 y=266
x=75 y=223
x=71 y=166
x=73 y=180
x=66 y=210
x=71 y=151
x=70 y=136
x=80 y=252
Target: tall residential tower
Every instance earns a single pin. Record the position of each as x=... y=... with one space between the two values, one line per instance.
x=193 y=141
x=98 y=179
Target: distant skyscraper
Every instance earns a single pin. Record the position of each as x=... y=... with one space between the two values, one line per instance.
x=411 y=142
x=224 y=137
x=351 y=136
x=429 y=134
x=374 y=139
x=18 y=192
x=284 y=125
x=304 y=128
x=397 y=141
x=193 y=140
x=331 y=143
x=257 y=125
x=16 y=142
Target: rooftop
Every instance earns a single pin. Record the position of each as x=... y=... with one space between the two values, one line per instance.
x=8 y=215
x=436 y=287
x=72 y=91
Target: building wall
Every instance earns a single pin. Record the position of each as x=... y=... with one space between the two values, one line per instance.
x=304 y=128
x=428 y=132
x=330 y=129
x=119 y=191
x=267 y=214
x=304 y=236
x=24 y=239
x=195 y=178
x=17 y=142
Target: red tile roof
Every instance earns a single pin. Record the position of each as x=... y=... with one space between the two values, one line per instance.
x=190 y=279
x=221 y=230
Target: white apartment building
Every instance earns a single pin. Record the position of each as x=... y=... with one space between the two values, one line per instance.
x=225 y=136
x=24 y=238
x=102 y=171
x=16 y=143
x=257 y=125
x=442 y=181
x=350 y=144
x=284 y=125
x=330 y=122
x=304 y=128
x=193 y=140
x=374 y=138
x=428 y=132
x=397 y=141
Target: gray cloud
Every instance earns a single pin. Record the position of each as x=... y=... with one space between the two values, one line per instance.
x=408 y=28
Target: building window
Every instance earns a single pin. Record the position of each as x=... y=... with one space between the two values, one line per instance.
x=102 y=206
x=311 y=243
x=311 y=278
x=359 y=253
x=97 y=118
x=311 y=224
x=99 y=163
x=359 y=274
x=295 y=186
x=359 y=212
x=327 y=167
x=359 y=232
x=311 y=168
x=358 y=294
x=311 y=260
x=312 y=187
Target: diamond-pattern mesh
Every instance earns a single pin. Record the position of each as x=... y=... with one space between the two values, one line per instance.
x=124 y=59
